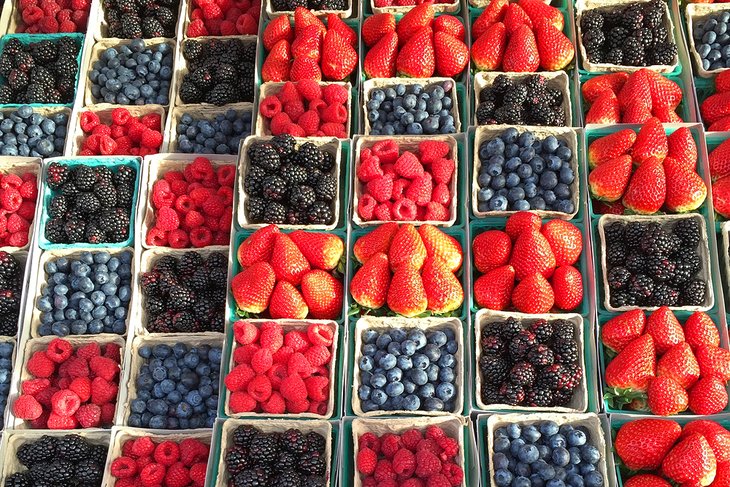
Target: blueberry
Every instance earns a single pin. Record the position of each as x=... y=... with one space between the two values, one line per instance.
x=550 y=144
x=387 y=362
x=404 y=362
x=378 y=380
x=512 y=164
x=511 y=150
x=557 y=441
x=503 y=478
x=530 y=190
x=555 y=483
x=498 y=182
x=537 y=164
x=498 y=203
x=514 y=431
x=590 y=454
x=418 y=337
x=408 y=347
x=528 y=454
x=512 y=180
x=418 y=376
x=526 y=139
x=501 y=444
x=411 y=402
x=510 y=135
x=394 y=375
x=576 y=438
x=593 y=479
x=495 y=147
x=500 y=461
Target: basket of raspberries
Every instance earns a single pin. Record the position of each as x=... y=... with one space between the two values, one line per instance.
x=18 y=199
x=132 y=130
x=222 y=17
x=49 y=17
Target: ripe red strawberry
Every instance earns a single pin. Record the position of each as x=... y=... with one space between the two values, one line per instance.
x=515 y=17
x=538 y=10
x=323 y=294
x=683 y=148
x=276 y=64
x=369 y=285
x=642 y=444
x=610 y=147
x=721 y=196
x=665 y=397
x=252 y=287
x=708 y=396
x=376 y=27
x=651 y=141
x=665 y=329
x=634 y=366
x=713 y=361
x=414 y=21
x=567 y=286
x=604 y=110
x=715 y=107
x=339 y=58
x=722 y=82
x=639 y=112
x=443 y=289
x=532 y=254
x=646 y=480
x=691 y=461
x=308 y=43
x=416 y=57
x=522 y=221
x=647 y=188
x=322 y=250
x=487 y=52
x=493 y=13
x=521 y=55
x=665 y=93
x=451 y=54
x=621 y=330
x=334 y=22
x=287 y=302
x=491 y=249
x=441 y=246
x=636 y=89
x=380 y=59
x=407 y=248
x=680 y=364
x=373 y=242
x=686 y=190
x=565 y=240
x=257 y=247
x=493 y=290
x=722 y=125
x=276 y=30
x=450 y=25
x=720 y=161
x=608 y=181
x=406 y=295
x=715 y=434
x=594 y=87
x=287 y=260
x=303 y=68
x=700 y=329
x=304 y=17
x=556 y=50
x=533 y=295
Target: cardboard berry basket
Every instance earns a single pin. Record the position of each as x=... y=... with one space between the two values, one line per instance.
x=408 y=143
x=272 y=13
x=122 y=434
x=154 y=168
x=98 y=27
x=709 y=262
x=6 y=412
x=695 y=12
x=28 y=346
x=446 y=6
x=217 y=473
x=380 y=83
x=48 y=193
x=579 y=403
x=20 y=166
x=133 y=363
x=335 y=371
x=385 y=324
x=76 y=136
x=46 y=111
x=170 y=143
x=569 y=135
x=328 y=144
x=587 y=66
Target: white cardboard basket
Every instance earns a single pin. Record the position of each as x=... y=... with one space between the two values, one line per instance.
x=20 y=165
x=700 y=11
x=170 y=144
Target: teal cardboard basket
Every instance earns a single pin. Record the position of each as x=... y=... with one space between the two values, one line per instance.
x=26 y=39
x=47 y=193
x=712 y=141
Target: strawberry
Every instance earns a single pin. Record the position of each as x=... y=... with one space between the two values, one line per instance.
x=721 y=196
x=713 y=361
x=373 y=242
x=493 y=290
x=634 y=366
x=565 y=240
x=308 y=43
x=493 y=13
x=665 y=329
x=680 y=364
x=651 y=141
x=686 y=191
x=605 y=110
x=522 y=221
x=287 y=260
x=567 y=285
x=369 y=285
x=603 y=208
x=665 y=397
x=647 y=188
x=376 y=27
x=491 y=249
x=257 y=247
x=441 y=246
x=304 y=68
x=252 y=287
x=449 y=24
x=610 y=147
x=638 y=112
x=521 y=54
x=451 y=54
x=322 y=250
x=407 y=248
x=515 y=17
x=665 y=93
x=720 y=161
x=594 y=87
x=286 y=302
x=334 y=22
x=414 y=21
x=533 y=295
x=722 y=125
x=323 y=294
x=276 y=64
x=416 y=57
x=487 y=51
x=722 y=82
x=636 y=89
x=666 y=115
x=715 y=434
x=722 y=477
x=646 y=480
x=690 y=461
x=538 y=10
x=715 y=107
x=380 y=59
x=276 y=30
x=683 y=148
x=700 y=329
x=406 y=295
x=304 y=17
x=621 y=330
x=708 y=396
x=443 y=289
x=532 y=254
x=642 y=444
x=555 y=49
x=608 y=181
x=339 y=58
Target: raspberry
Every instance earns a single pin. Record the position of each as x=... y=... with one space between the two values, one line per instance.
x=288 y=93
x=196 y=28
x=89 y=416
x=58 y=422
x=226 y=175
x=453 y=473
x=200 y=195
x=386 y=151
x=318 y=105
x=334 y=129
x=389 y=445
x=429 y=444
x=214 y=206
x=297 y=407
x=86 y=352
x=282 y=355
x=404 y=210
x=294 y=109
x=193 y=219
x=438 y=480
x=275 y=404
x=156 y=237
x=279 y=123
x=11 y=181
x=103 y=367
x=293 y=389
x=142 y=447
x=411 y=438
x=241 y=402
x=427 y=464
x=40 y=365
x=11 y=200
x=162 y=195
x=335 y=114
x=201 y=237
x=124 y=468
x=108 y=411
x=309 y=122
x=404 y=463
x=309 y=90
x=184 y=204
x=167 y=453
x=366 y=207
x=178 y=239
x=59 y=350
x=135 y=129
x=151 y=139
x=299 y=365
x=318 y=355
x=434 y=432
x=320 y=334
x=430 y=151
x=259 y=388
x=436 y=212
x=383 y=211
x=449 y=446
x=276 y=374
x=270 y=106
x=247 y=25
x=193 y=451
x=103 y=391
x=221 y=238
x=318 y=388
x=27 y=407
x=27 y=210
x=261 y=361
x=74 y=367
x=152 y=474
x=201 y=168
x=34 y=386
x=197 y=473
x=384 y=471
x=88 y=121
x=239 y=377
x=366 y=461
x=297 y=340
x=82 y=387
x=167 y=219
x=245 y=353
x=120 y=116
x=113 y=351
x=334 y=93
x=271 y=336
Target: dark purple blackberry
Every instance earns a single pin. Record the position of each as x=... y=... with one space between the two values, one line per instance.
x=9 y=267
x=693 y=293
x=522 y=374
x=300 y=197
x=657 y=241
x=184 y=322
x=614 y=233
x=253 y=182
x=221 y=94
x=73 y=448
x=326 y=188
x=620 y=299
x=320 y=213
x=541 y=356
x=75 y=230
x=56 y=175
x=660 y=268
x=516 y=95
x=265 y=156
x=485 y=113
x=488 y=94
x=640 y=287
x=566 y=351
x=315 y=442
x=539 y=397
x=20 y=479
x=501 y=84
x=591 y=19
x=664 y=53
x=543 y=330
x=189 y=93
x=492 y=344
x=614 y=56
x=634 y=53
x=633 y=17
x=635 y=263
x=54 y=231
x=653 y=13
x=513 y=394
x=293 y=440
x=181 y=298
x=563 y=329
x=510 y=329
x=615 y=255
x=618 y=278
x=264 y=448
x=274 y=188
x=18 y=80
x=510 y=114
x=243 y=435
x=494 y=369
x=521 y=344
x=646 y=37
x=490 y=394
x=616 y=37
x=664 y=295
x=555 y=378
x=689 y=232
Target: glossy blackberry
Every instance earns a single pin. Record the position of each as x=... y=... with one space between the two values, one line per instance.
x=665 y=53
x=274 y=188
x=125 y=175
x=308 y=155
x=198 y=281
x=75 y=230
x=640 y=287
x=9 y=266
x=184 y=322
x=521 y=344
x=592 y=19
x=326 y=188
x=54 y=230
x=661 y=35
x=615 y=255
x=501 y=84
x=511 y=329
x=540 y=356
x=221 y=94
x=189 y=93
x=181 y=298
x=555 y=378
x=620 y=299
x=633 y=17
x=689 y=232
x=315 y=442
x=522 y=374
x=485 y=113
x=294 y=441
x=301 y=197
x=39 y=451
x=88 y=472
x=264 y=448
x=660 y=268
x=313 y=176
x=494 y=369
x=320 y=213
x=653 y=14
x=593 y=39
x=20 y=479
x=635 y=262
x=9 y=303
x=618 y=278
x=563 y=329
x=275 y=213
x=116 y=223
x=565 y=350
x=253 y=182
x=492 y=344
x=516 y=95
x=56 y=175
x=87 y=203
x=512 y=394
x=510 y=114
x=543 y=330
x=634 y=54
x=327 y=163
x=663 y=295
x=616 y=37
x=265 y=156
x=312 y=463
x=255 y=477
x=490 y=394
x=657 y=241
x=693 y=293
x=189 y=262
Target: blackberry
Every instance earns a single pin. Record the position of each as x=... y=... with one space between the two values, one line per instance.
x=521 y=344
x=653 y=14
x=522 y=374
x=512 y=394
x=302 y=197
x=217 y=260
x=326 y=188
x=181 y=298
x=124 y=196
x=116 y=223
x=492 y=344
x=20 y=479
x=516 y=95
x=320 y=213
x=184 y=322
x=553 y=97
x=510 y=114
x=189 y=93
x=614 y=56
x=661 y=35
x=9 y=303
x=565 y=350
x=275 y=213
x=286 y=478
x=253 y=182
x=538 y=397
x=663 y=295
x=189 y=262
x=542 y=115
x=88 y=472
x=328 y=162
x=618 y=278
x=66 y=67
x=657 y=241
x=255 y=477
x=593 y=39
x=73 y=448
x=154 y=306
x=225 y=73
x=693 y=294
x=555 y=377
x=615 y=255
x=162 y=323
x=87 y=203
x=166 y=263
x=501 y=84
x=633 y=17
x=54 y=231
x=309 y=156
x=485 y=112
x=192 y=50
x=18 y=80
x=39 y=451
x=221 y=94
x=494 y=369
x=540 y=356
x=166 y=17
x=689 y=233
x=256 y=208
x=543 y=330
x=265 y=156
x=592 y=19
x=616 y=37
x=9 y=266
x=294 y=441
x=635 y=263
x=264 y=448
x=284 y=144
x=13 y=47
x=646 y=37
x=24 y=61
x=620 y=299
x=641 y=287
x=42 y=77
x=664 y=53
x=312 y=463
x=198 y=281
x=634 y=54
x=151 y=27
x=203 y=78
x=489 y=94
x=56 y=175
x=313 y=176
x=6 y=64
x=125 y=175
x=314 y=481
x=660 y=268
x=75 y=230
x=563 y=329
x=510 y=329
x=106 y=195
x=274 y=188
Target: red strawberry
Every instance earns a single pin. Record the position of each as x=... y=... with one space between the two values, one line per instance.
x=416 y=57
x=605 y=110
x=680 y=364
x=304 y=68
x=665 y=397
x=686 y=190
x=722 y=125
x=533 y=295
x=253 y=286
x=691 y=461
x=665 y=93
x=720 y=161
x=491 y=249
x=308 y=43
x=621 y=330
x=700 y=329
x=450 y=25
x=722 y=81
x=287 y=260
x=376 y=27
x=276 y=30
x=532 y=254
x=556 y=50
x=565 y=240
x=441 y=246
x=647 y=189
x=515 y=17
x=493 y=13
x=369 y=285
x=636 y=89
x=521 y=54
x=594 y=87
x=651 y=141
x=493 y=290
x=520 y=222
x=373 y=242
x=715 y=107
x=708 y=396
x=721 y=196
x=286 y=302
x=406 y=295
x=407 y=248
x=665 y=329
x=323 y=294
x=610 y=147
x=487 y=51
x=713 y=361
x=304 y=17
x=380 y=59
x=646 y=480
x=443 y=289
x=257 y=247
x=567 y=286
x=608 y=181
x=276 y=64
x=334 y=22
x=538 y=10
x=339 y=58
x=682 y=147
x=638 y=112
x=642 y=444
x=634 y=366
x=451 y=54
x=322 y=250
x=414 y=21
x=715 y=434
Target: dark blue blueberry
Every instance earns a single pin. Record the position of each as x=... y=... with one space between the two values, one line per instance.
x=498 y=182
x=503 y=478
x=593 y=479
x=512 y=164
x=498 y=203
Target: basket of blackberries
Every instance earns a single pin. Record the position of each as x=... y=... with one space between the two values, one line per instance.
x=12 y=278
x=127 y=19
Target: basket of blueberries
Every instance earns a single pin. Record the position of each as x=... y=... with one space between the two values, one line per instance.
x=33 y=131
x=709 y=39
x=209 y=130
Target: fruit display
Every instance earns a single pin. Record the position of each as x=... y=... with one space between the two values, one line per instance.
x=546 y=450
x=7 y=350
x=308 y=49
x=719 y=172
x=407 y=181
x=529 y=266
x=120 y=132
x=416 y=455
x=715 y=109
x=41 y=460
x=220 y=17
x=659 y=451
x=524 y=171
x=412 y=109
x=631 y=98
x=633 y=35
x=411 y=271
x=149 y=81
x=18 y=201
x=418 y=45
x=39 y=72
x=156 y=18
x=289 y=275
x=307 y=108
x=222 y=134
x=90 y=204
x=26 y=132
x=52 y=17
x=650 y=263
x=158 y=461
x=535 y=363
x=11 y=288
x=282 y=367
x=384 y=4
x=409 y=369
x=290 y=457
x=665 y=367
x=647 y=171
x=85 y=294
x=192 y=207
x=523 y=100
x=187 y=376
x=710 y=40
x=523 y=36
x=315 y=5
x=68 y=385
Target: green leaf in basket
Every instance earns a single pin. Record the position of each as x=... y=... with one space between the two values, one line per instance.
x=618 y=398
